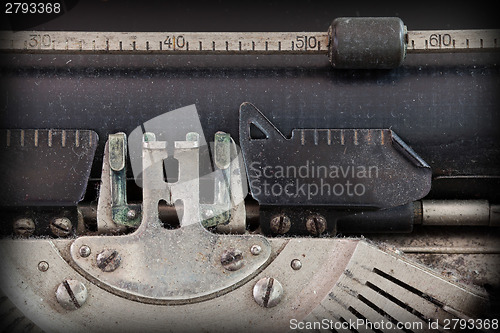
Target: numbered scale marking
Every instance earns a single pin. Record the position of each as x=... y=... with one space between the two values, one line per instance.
x=349 y=42
x=161 y=42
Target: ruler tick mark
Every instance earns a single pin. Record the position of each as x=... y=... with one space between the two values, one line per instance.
x=22 y=138
x=329 y=133
x=77 y=138
x=121 y=46
x=213 y=45
x=8 y=138
x=63 y=138
x=36 y=138
x=253 y=46
x=133 y=45
x=49 y=137
x=302 y=137
x=187 y=46
x=147 y=45
x=227 y=46
x=342 y=137
x=201 y=45
x=266 y=45
x=279 y=45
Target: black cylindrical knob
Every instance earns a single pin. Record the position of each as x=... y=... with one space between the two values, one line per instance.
x=367 y=42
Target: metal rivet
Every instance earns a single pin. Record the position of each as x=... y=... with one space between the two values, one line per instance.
x=24 y=227
x=43 y=266
x=71 y=294
x=84 y=251
x=232 y=259
x=280 y=224
x=255 y=250
x=131 y=214
x=61 y=226
x=267 y=292
x=208 y=213
x=108 y=260
x=316 y=224
x=296 y=264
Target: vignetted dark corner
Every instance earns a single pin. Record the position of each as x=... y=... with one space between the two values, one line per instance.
x=249 y=166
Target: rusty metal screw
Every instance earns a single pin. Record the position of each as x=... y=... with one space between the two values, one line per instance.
x=71 y=294
x=280 y=224
x=316 y=224
x=267 y=292
x=232 y=259
x=24 y=227
x=108 y=260
x=61 y=226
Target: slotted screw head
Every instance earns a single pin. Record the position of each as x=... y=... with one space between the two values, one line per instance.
x=24 y=227
x=268 y=292
x=71 y=294
x=316 y=224
x=280 y=224
x=61 y=226
x=232 y=259
x=108 y=260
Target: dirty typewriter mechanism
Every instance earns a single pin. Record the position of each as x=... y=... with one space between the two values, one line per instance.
x=326 y=228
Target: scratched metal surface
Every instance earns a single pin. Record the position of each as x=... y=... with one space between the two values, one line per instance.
x=445 y=106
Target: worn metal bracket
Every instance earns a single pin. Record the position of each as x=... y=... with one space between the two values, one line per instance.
x=157 y=265
x=344 y=168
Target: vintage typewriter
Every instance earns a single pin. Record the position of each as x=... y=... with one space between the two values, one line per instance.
x=344 y=180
